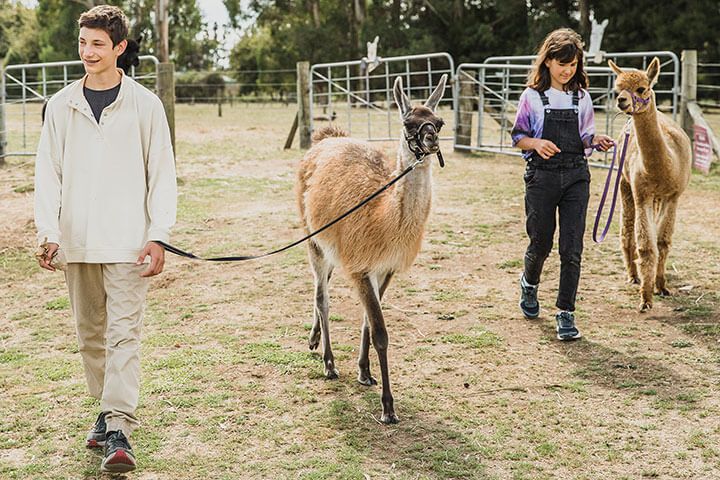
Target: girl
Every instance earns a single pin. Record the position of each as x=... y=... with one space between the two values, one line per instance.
x=555 y=129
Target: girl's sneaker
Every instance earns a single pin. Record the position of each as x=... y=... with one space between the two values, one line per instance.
x=566 y=329
x=528 y=299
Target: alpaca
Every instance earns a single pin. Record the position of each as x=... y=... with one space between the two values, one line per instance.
x=377 y=241
x=658 y=161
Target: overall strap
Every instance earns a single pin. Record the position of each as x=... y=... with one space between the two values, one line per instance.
x=544 y=98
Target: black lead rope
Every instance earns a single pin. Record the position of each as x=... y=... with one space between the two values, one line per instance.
x=240 y=258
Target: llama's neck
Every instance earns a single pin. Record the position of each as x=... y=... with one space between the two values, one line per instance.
x=413 y=194
x=650 y=139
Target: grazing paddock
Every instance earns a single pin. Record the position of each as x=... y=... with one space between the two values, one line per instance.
x=231 y=391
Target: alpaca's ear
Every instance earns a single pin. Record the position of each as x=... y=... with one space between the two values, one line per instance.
x=615 y=68
x=437 y=94
x=403 y=102
x=653 y=71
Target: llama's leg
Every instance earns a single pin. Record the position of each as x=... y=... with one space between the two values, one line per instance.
x=369 y=296
x=364 y=375
x=646 y=238
x=627 y=231
x=322 y=270
x=666 y=227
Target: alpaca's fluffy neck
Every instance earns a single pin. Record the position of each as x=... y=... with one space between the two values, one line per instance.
x=650 y=139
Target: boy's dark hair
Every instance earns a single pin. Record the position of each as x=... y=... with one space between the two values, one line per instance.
x=108 y=18
x=563 y=45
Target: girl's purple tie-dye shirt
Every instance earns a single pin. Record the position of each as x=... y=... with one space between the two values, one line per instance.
x=531 y=114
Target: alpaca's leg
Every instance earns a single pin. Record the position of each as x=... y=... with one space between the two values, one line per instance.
x=322 y=270
x=369 y=296
x=666 y=227
x=364 y=375
x=627 y=231
x=646 y=239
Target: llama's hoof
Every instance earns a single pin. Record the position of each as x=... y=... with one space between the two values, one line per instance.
x=366 y=379
x=645 y=306
x=332 y=373
x=389 y=418
x=314 y=340
x=663 y=292
x=633 y=280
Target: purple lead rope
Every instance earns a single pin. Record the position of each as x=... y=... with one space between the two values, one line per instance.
x=615 y=192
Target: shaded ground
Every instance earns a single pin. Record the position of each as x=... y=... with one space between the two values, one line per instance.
x=231 y=391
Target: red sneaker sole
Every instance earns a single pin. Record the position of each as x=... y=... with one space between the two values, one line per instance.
x=119 y=462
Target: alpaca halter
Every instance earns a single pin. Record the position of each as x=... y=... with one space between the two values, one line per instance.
x=417 y=147
x=637 y=100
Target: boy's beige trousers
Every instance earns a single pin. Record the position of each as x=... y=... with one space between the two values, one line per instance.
x=108 y=302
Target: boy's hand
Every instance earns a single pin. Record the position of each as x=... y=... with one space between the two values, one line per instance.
x=603 y=142
x=545 y=148
x=45 y=254
x=157 y=259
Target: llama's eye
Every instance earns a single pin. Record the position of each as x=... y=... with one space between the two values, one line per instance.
x=439 y=125
x=640 y=90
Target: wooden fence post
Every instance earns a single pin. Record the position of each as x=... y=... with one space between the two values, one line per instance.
x=465 y=113
x=166 y=92
x=303 y=99
x=688 y=88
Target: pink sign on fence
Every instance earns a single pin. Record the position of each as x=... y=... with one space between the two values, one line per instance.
x=702 y=149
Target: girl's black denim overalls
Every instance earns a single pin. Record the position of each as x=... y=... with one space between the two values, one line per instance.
x=559 y=185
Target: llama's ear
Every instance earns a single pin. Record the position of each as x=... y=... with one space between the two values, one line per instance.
x=403 y=102
x=653 y=71
x=437 y=94
x=615 y=68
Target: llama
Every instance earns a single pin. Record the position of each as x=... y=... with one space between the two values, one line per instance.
x=657 y=171
x=377 y=241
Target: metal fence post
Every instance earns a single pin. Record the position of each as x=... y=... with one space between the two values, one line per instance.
x=166 y=91
x=3 y=123
x=688 y=88
x=303 y=99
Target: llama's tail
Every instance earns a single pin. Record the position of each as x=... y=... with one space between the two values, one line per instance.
x=326 y=132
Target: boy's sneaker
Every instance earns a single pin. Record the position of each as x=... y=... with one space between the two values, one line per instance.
x=528 y=299
x=566 y=329
x=96 y=436
x=119 y=456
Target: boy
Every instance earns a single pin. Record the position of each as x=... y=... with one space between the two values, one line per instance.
x=104 y=190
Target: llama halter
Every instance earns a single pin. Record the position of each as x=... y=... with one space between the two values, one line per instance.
x=417 y=147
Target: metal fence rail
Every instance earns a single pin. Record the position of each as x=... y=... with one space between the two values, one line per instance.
x=23 y=85
x=360 y=99
x=488 y=94
x=708 y=86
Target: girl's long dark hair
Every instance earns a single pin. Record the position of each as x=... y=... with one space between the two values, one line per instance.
x=563 y=45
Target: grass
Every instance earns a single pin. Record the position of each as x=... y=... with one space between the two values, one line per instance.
x=230 y=390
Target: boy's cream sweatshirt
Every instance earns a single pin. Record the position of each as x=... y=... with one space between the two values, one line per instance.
x=102 y=190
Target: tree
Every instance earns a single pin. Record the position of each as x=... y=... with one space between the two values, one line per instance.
x=18 y=34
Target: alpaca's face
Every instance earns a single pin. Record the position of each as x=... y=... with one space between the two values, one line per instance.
x=634 y=87
x=96 y=50
x=423 y=119
x=629 y=84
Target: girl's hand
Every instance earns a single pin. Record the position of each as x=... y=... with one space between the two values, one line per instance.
x=545 y=148
x=603 y=142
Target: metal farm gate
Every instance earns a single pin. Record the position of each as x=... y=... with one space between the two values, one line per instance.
x=357 y=95
x=25 y=88
x=488 y=94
